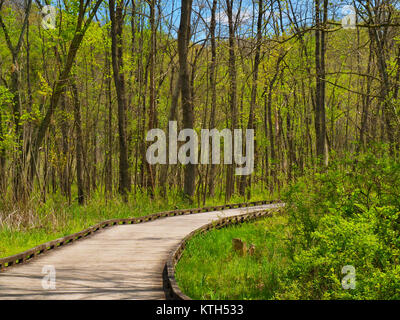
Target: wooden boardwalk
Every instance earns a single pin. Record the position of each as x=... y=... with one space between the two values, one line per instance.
x=123 y=262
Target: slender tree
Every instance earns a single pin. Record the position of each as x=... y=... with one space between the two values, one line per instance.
x=117 y=22
x=187 y=106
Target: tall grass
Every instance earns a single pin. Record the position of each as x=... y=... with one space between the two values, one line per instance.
x=211 y=269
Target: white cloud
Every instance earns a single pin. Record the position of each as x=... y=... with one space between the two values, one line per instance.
x=246 y=16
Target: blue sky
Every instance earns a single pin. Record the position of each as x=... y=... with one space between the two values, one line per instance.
x=248 y=14
x=170 y=10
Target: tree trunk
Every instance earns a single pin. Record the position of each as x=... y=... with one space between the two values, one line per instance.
x=108 y=183
x=117 y=22
x=213 y=85
x=230 y=180
x=79 y=144
x=152 y=101
x=246 y=181
x=320 y=50
x=187 y=106
x=2 y=158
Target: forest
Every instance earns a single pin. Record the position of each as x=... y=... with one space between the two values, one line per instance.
x=83 y=82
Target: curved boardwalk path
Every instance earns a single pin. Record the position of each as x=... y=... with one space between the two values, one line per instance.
x=123 y=262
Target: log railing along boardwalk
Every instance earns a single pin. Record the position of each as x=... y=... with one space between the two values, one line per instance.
x=124 y=262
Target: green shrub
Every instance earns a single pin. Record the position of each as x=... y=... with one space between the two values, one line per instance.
x=347 y=215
